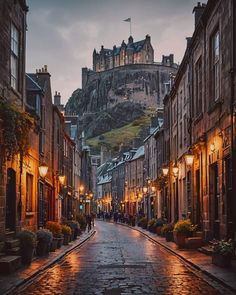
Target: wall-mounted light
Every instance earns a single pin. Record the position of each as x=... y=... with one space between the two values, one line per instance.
x=189 y=159
x=153 y=189
x=145 y=189
x=165 y=171
x=43 y=170
x=175 y=170
x=62 y=179
x=81 y=188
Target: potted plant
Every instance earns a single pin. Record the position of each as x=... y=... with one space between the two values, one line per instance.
x=183 y=229
x=152 y=225
x=159 y=223
x=66 y=231
x=82 y=221
x=222 y=253
x=143 y=222
x=27 y=245
x=44 y=240
x=55 y=228
x=75 y=228
x=167 y=231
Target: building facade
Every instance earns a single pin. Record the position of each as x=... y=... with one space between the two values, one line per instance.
x=140 y=52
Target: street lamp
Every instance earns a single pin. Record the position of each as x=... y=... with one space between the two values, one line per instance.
x=145 y=189
x=62 y=179
x=43 y=170
x=189 y=159
x=165 y=171
x=175 y=170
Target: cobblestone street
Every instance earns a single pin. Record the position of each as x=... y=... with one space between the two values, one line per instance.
x=115 y=261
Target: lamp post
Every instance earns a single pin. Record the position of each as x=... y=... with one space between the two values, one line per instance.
x=43 y=169
x=81 y=197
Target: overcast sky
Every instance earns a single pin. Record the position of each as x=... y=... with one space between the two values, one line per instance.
x=63 y=33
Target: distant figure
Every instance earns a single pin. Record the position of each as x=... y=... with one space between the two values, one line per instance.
x=89 y=222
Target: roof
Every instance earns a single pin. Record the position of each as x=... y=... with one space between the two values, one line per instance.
x=139 y=153
x=136 y=46
x=104 y=179
x=31 y=83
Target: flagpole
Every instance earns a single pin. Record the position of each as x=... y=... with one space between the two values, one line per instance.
x=130 y=28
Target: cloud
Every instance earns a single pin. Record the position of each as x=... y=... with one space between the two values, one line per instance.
x=63 y=34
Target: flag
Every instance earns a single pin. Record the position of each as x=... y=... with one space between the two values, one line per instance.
x=127 y=20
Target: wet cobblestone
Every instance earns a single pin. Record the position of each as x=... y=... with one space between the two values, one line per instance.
x=119 y=261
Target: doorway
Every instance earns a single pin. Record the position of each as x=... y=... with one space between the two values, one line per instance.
x=214 y=201
x=11 y=200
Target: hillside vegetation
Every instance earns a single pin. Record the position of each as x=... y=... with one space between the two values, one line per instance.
x=123 y=136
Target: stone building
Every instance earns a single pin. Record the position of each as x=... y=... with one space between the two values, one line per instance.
x=213 y=117
x=204 y=92
x=12 y=92
x=140 y=52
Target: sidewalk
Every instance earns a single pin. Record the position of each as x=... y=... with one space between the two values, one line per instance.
x=200 y=261
x=10 y=283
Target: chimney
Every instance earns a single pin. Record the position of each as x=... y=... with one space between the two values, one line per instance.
x=198 y=11
x=57 y=99
x=148 y=38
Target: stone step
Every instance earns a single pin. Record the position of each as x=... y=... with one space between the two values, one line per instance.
x=208 y=250
x=10 y=235
x=9 y=264
x=10 y=244
x=14 y=251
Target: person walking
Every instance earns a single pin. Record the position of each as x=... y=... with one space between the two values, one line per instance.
x=89 y=222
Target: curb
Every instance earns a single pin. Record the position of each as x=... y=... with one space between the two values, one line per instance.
x=210 y=275
x=29 y=279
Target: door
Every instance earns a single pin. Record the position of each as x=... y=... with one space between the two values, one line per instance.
x=214 y=201
x=11 y=200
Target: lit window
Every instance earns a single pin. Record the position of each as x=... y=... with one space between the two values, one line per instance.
x=14 y=56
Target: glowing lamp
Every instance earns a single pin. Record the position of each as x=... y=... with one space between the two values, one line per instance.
x=43 y=170
x=175 y=171
x=165 y=171
x=62 y=179
x=153 y=189
x=189 y=159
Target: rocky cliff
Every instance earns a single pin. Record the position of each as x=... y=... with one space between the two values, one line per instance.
x=114 y=98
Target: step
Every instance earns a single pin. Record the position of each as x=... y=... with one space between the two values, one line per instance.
x=14 y=251
x=12 y=243
x=9 y=264
x=208 y=250
x=10 y=235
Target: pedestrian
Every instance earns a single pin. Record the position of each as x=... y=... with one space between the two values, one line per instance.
x=89 y=222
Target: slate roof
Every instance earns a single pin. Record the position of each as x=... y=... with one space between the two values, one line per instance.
x=139 y=153
x=31 y=83
x=136 y=46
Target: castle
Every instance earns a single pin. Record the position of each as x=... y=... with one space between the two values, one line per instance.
x=140 y=52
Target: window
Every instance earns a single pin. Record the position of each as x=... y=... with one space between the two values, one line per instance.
x=198 y=89
x=14 y=56
x=29 y=192
x=215 y=66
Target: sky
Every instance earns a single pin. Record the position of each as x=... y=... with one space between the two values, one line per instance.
x=62 y=34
